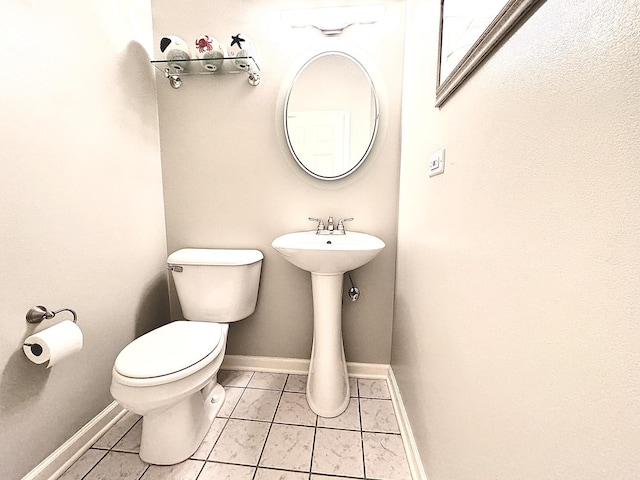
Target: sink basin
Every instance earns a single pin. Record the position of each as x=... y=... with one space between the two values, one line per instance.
x=328 y=254
x=327 y=257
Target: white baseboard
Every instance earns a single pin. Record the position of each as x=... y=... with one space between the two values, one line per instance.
x=298 y=366
x=265 y=364
x=410 y=447
x=55 y=464
x=362 y=370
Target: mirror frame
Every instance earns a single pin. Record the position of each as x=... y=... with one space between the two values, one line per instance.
x=508 y=18
x=377 y=114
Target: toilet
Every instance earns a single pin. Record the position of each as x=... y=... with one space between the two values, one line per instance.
x=169 y=375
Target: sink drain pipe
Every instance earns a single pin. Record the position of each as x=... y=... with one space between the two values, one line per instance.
x=354 y=293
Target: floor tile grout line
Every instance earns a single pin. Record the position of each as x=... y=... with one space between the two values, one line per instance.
x=227 y=419
x=274 y=469
x=268 y=389
x=226 y=462
x=269 y=430
x=226 y=422
x=364 y=461
x=109 y=449
x=244 y=389
x=313 y=444
x=302 y=425
x=94 y=465
x=145 y=471
x=123 y=435
x=203 y=463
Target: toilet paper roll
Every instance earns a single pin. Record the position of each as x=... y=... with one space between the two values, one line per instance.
x=54 y=343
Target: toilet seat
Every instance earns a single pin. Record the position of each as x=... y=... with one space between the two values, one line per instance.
x=169 y=353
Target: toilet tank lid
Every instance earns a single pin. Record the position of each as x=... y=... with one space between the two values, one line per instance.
x=214 y=256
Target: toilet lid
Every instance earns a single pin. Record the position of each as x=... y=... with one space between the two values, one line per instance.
x=168 y=349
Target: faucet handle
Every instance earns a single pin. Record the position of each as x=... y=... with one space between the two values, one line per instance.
x=341 y=223
x=320 y=223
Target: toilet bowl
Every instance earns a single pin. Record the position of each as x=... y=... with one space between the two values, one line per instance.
x=169 y=375
x=157 y=377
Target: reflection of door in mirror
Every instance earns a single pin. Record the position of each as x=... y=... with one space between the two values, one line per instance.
x=322 y=139
x=331 y=115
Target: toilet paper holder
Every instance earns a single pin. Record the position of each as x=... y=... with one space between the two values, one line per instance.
x=39 y=313
x=36 y=315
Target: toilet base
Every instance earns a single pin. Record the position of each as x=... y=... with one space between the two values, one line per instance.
x=171 y=436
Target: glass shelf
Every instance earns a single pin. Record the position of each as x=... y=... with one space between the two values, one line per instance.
x=174 y=69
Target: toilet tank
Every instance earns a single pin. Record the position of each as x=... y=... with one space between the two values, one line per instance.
x=216 y=285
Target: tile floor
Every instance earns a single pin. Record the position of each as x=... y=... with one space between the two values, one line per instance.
x=266 y=431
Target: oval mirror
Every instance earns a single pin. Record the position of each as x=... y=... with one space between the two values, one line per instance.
x=331 y=115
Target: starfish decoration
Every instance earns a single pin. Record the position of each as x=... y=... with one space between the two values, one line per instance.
x=236 y=40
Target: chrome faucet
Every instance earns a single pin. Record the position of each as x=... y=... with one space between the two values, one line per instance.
x=330 y=228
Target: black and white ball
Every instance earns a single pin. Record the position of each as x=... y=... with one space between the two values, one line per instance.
x=175 y=50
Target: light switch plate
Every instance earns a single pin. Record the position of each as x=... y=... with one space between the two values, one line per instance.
x=436 y=163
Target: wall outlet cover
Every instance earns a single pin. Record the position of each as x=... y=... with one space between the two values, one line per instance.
x=436 y=163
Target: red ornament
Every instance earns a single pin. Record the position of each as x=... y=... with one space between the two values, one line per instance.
x=204 y=43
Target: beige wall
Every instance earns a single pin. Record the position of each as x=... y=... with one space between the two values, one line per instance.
x=230 y=180
x=515 y=340
x=516 y=337
x=81 y=210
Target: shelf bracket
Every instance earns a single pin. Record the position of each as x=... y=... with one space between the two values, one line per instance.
x=173 y=71
x=254 y=78
x=174 y=80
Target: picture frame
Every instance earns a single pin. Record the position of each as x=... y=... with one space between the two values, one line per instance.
x=509 y=18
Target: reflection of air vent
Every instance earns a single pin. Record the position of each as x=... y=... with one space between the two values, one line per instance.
x=333 y=20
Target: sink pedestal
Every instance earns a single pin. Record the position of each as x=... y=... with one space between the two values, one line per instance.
x=328 y=382
x=328 y=257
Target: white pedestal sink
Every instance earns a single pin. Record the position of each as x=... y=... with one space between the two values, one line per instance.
x=327 y=257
